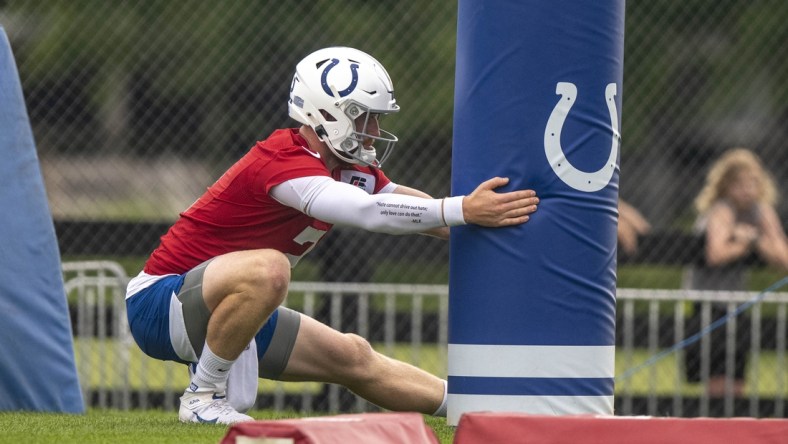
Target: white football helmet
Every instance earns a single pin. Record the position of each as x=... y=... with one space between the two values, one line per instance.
x=331 y=88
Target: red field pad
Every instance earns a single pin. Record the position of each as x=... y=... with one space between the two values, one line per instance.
x=367 y=428
x=489 y=428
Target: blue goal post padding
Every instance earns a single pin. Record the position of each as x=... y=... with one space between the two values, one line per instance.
x=37 y=368
x=532 y=308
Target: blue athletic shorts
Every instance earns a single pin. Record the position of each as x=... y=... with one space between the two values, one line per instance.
x=151 y=325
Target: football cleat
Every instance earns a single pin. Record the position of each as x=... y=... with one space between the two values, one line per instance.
x=208 y=408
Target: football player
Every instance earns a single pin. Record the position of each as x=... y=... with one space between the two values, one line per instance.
x=210 y=295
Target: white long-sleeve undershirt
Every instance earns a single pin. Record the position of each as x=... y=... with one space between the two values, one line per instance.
x=340 y=203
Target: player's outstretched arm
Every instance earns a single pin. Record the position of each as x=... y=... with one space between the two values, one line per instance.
x=439 y=232
x=486 y=207
x=402 y=212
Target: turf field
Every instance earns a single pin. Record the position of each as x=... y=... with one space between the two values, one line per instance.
x=153 y=426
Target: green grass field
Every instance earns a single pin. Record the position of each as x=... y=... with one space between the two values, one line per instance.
x=152 y=426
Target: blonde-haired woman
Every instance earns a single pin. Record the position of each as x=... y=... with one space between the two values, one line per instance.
x=736 y=214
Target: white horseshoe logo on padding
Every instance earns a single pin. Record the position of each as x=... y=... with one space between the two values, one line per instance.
x=579 y=180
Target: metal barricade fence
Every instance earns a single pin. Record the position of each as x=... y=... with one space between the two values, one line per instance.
x=102 y=341
x=410 y=322
x=651 y=321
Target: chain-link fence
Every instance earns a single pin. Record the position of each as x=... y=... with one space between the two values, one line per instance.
x=136 y=107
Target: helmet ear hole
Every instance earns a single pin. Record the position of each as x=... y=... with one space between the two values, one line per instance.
x=328 y=116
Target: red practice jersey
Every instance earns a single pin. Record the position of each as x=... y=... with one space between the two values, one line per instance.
x=236 y=213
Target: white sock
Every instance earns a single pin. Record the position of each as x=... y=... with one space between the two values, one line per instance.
x=442 y=409
x=212 y=372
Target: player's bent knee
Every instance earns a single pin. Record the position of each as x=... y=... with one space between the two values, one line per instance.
x=272 y=271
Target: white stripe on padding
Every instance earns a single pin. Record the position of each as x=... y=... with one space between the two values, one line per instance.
x=532 y=361
x=536 y=405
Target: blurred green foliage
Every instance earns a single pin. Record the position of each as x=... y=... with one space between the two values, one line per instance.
x=217 y=59
x=707 y=55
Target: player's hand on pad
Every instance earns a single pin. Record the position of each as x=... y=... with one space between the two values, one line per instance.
x=486 y=207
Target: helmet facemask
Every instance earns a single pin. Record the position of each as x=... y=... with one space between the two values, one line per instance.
x=352 y=147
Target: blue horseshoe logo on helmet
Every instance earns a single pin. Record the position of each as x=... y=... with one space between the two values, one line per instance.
x=353 y=81
x=579 y=180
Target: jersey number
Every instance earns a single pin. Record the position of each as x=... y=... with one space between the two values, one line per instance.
x=309 y=235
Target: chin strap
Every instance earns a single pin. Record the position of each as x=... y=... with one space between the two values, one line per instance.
x=321 y=132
